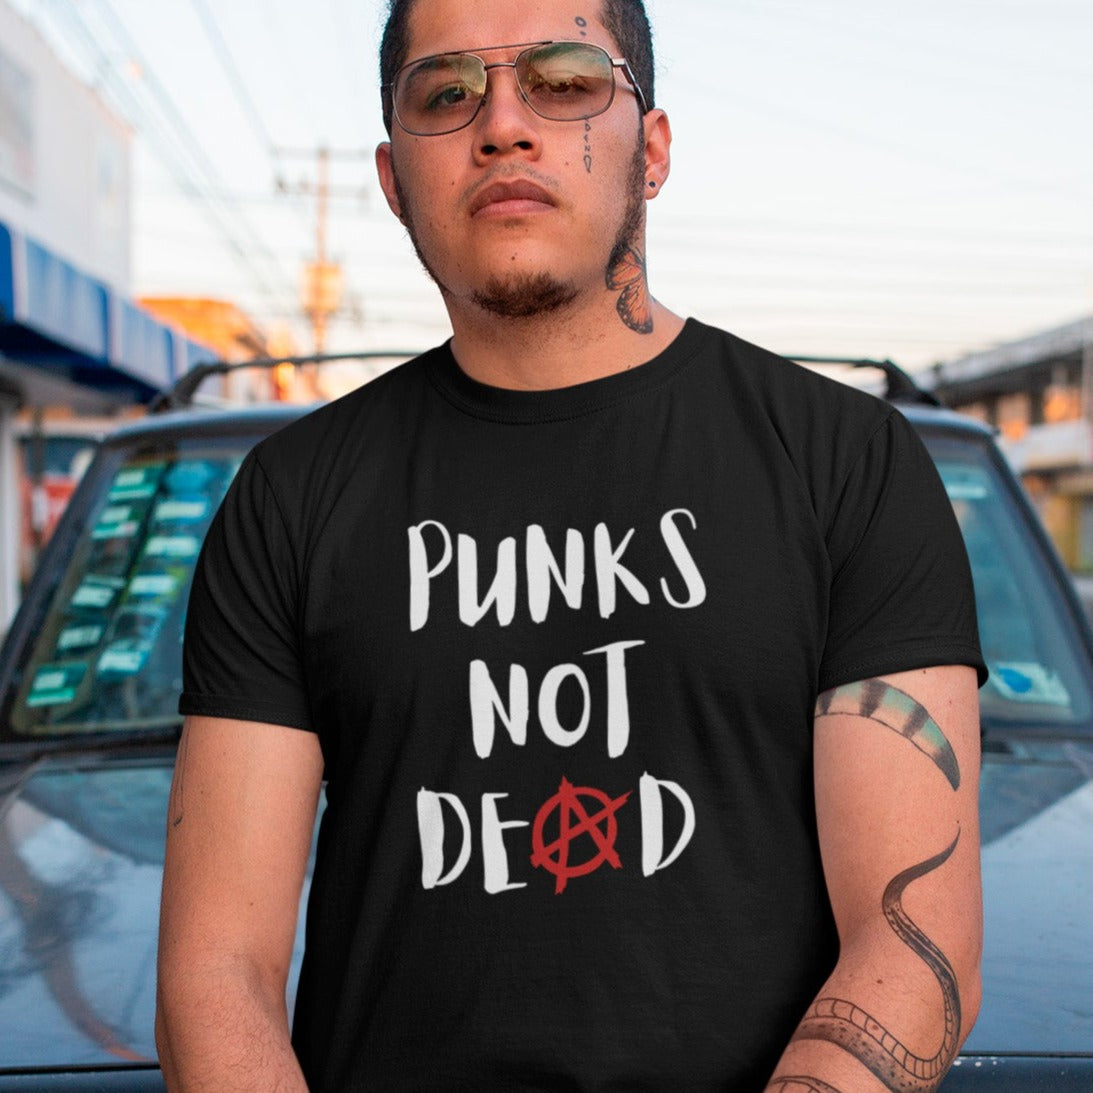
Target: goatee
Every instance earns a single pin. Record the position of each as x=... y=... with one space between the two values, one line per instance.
x=524 y=296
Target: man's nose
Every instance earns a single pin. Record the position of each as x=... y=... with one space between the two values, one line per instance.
x=505 y=121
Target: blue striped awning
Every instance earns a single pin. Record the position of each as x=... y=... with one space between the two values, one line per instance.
x=58 y=319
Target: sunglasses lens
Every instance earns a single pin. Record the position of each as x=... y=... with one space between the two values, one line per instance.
x=562 y=81
x=565 y=81
x=440 y=94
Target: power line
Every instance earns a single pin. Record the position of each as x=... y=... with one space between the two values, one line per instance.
x=175 y=144
x=290 y=68
x=825 y=224
x=231 y=70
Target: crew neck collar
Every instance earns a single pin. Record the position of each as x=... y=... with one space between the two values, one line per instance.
x=557 y=404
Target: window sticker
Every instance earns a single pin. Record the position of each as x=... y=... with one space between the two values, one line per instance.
x=135 y=634
x=135 y=483
x=74 y=638
x=154 y=586
x=193 y=475
x=963 y=482
x=96 y=592
x=118 y=522
x=1024 y=681
x=109 y=652
x=181 y=547
x=55 y=684
x=158 y=583
x=125 y=657
x=182 y=511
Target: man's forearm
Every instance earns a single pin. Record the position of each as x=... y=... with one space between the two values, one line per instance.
x=896 y=764
x=242 y=810
x=224 y=1030
x=841 y=1047
x=865 y=1029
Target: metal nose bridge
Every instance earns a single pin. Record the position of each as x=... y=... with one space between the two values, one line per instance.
x=519 y=87
x=502 y=64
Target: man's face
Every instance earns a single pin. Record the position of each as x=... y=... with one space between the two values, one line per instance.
x=515 y=213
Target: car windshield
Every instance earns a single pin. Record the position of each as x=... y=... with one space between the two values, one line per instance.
x=107 y=656
x=1039 y=669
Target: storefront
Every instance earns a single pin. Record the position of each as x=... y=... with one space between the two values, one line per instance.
x=68 y=339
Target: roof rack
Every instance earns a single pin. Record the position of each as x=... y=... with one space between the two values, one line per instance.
x=899 y=385
x=181 y=393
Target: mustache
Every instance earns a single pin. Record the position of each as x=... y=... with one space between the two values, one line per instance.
x=511 y=172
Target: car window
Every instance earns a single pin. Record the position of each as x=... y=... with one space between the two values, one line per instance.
x=107 y=657
x=1039 y=670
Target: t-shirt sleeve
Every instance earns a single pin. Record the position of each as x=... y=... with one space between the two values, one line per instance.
x=241 y=656
x=901 y=593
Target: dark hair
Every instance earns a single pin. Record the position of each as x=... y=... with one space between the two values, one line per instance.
x=625 y=20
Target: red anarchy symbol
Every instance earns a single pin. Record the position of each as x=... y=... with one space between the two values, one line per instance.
x=554 y=857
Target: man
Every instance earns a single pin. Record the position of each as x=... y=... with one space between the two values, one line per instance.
x=640 y=664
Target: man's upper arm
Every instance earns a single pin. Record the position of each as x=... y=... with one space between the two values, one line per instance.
x=239 y=827
x=896 y=774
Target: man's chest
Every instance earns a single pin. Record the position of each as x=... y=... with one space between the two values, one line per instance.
x=564 y=616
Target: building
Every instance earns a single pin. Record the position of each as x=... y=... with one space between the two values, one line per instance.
x=1038 y=392
x=234 y=336
x=69 y=334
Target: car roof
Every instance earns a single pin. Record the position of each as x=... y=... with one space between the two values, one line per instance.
x=186 y=417
x=254 y=417
x=943 y=418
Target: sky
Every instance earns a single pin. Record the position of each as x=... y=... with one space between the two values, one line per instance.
x=868 y=178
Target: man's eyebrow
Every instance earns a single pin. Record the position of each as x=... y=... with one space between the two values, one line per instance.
x=431 y=61
x=426 y=65
x=475 y=50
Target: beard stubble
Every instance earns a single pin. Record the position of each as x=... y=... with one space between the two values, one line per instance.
x=536 y=295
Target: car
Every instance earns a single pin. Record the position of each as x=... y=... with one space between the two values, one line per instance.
x=90 y=673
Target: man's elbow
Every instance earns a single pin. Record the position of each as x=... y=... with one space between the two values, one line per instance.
x=163 y=1040
x=971 y=997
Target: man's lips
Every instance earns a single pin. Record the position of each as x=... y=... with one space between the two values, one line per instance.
x=511 y=198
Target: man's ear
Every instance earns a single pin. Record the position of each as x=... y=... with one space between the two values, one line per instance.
x=658 y=158
x=385 y=168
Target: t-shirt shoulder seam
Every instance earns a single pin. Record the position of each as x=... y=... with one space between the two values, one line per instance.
x=867 y=443
x=839 y=494
x=277 y=505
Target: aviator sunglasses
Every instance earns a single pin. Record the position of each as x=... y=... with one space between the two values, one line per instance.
x=560 y=81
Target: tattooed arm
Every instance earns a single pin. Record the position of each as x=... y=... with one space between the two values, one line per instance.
x=239 y=828
x=896 y=771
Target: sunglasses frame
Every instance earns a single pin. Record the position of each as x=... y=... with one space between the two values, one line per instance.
x=615 y=62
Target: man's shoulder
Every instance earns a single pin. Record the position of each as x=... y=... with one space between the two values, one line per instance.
x=785 y=388
x=369 y=413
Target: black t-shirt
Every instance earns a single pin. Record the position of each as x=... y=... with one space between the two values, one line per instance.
x=562 y=651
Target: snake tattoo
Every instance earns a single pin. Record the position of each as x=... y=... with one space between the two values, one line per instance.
x=797 y=1084
x=867 y=1039
x=839 y=1021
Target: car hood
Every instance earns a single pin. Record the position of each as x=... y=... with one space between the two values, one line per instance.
x=81 y=859
x=1037 y=816
x=81 y=849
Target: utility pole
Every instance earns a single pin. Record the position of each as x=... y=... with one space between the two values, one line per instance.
x=323 y=279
